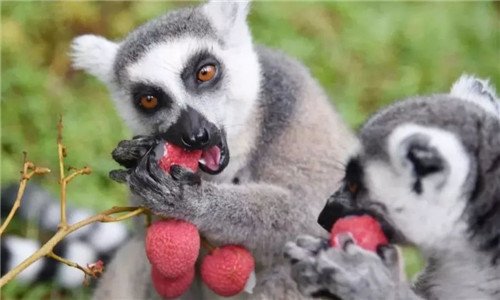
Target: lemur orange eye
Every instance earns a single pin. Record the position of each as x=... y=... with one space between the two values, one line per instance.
x=206 y=73
x=149 y=102
x=353 y=187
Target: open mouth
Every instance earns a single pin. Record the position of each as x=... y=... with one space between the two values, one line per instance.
x=214 y=159
x=335 y=211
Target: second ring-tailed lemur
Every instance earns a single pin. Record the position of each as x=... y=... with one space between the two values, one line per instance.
x=428 y=169
x=272 y=143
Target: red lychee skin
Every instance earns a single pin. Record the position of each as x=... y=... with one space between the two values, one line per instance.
x=365 y=231
x=172 y=246
x=170 y=288
x=174 y=155
x=226 y=269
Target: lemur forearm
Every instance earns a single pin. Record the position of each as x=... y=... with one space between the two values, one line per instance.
x=257 y=215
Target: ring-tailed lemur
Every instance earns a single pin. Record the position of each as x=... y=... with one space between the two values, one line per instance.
x=428 y=169
x=85 y=246
x=272 y=143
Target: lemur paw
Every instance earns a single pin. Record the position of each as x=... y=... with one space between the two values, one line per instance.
x=169 y=195
x=347 y=273
x=302 y=255
x=129 y=152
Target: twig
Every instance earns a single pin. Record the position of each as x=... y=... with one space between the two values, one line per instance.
x=25 y=176
x=62 y=232
x=206 y=244
x=70 y=263
x=61 y=151
x=63 y=229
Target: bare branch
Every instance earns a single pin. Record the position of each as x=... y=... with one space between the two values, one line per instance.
x=25 y=176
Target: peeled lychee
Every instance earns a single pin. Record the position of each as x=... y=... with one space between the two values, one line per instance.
x=173 y=155
x=365 y=231
x=172 y=246
x=226 y=269
x=171 y=287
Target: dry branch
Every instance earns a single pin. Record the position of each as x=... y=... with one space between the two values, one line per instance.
x=63 y=229
x=29 y=170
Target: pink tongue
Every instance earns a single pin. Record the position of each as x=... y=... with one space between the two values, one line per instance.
x=212 y=158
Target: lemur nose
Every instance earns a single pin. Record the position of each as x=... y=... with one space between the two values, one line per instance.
x=197 y=140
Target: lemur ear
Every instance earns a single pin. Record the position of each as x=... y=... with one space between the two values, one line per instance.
x=95 y=55
x=424 y=158
x=478 y=91
x=424 y=151
x=229 y=19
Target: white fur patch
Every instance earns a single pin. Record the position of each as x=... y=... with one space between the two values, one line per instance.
x=106 y=236
x=20 y=249
x=75 y=216
x=477 y=91
x=436 y=214
x=95 y=55
x=51 y=217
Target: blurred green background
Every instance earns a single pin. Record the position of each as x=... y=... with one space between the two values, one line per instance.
x=365 y=55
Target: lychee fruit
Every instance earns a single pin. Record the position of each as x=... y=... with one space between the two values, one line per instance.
x=227 y=269
x=170 y=288
x=365 y=231
x=172 y=246
x=174 y=155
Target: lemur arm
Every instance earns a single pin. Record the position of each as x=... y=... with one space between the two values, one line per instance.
x=256 y=215
x=348 y=272
x=259 y=216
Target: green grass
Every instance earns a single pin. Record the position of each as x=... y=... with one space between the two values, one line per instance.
x=366 y=55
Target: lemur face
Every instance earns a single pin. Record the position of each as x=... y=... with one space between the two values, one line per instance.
x=418 y=170
x=416 y=190
x=191 y=77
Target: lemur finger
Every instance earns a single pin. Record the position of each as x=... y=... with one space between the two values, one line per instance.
x=154 y=169
x=141 y=178
x=306 y=276
x=390 y=255
x=330 y=259
x=129 y=151
x=346 y=242
x=312 y=244
x=295 y=253
x=352 y=250
x=184 y=175
x=120 y=176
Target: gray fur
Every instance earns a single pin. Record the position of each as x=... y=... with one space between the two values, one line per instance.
x=286 y=157
x=464 y=263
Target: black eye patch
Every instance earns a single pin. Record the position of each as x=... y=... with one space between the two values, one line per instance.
x=195 y=63
x=140 y=90
x=354 y=174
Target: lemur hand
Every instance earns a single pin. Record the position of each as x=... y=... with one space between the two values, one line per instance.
x=129 y=152
x=170 y=195
x=347 y=273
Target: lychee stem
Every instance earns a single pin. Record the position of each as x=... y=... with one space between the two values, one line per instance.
x=206 y=244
